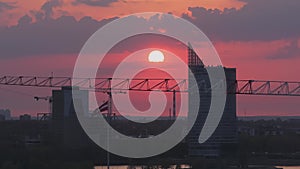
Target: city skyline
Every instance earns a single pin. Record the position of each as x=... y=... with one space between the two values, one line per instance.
x=33 y=41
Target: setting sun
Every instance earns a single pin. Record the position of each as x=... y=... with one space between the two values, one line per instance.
x=156 y=56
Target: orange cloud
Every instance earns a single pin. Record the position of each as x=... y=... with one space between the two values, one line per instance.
x=120 y=8
x=176 y=7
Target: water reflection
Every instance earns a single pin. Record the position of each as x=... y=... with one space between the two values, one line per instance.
x=288 y=167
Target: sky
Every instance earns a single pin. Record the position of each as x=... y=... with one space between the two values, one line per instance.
x=260 y=38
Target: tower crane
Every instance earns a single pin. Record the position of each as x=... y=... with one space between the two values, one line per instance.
x=121 y=85
x=240 y=87
x=43 y=116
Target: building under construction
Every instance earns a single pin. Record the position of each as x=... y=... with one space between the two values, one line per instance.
x=68 y=132
x=225 y=136
x=64 y=130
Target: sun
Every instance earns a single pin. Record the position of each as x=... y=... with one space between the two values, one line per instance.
x=156 y=56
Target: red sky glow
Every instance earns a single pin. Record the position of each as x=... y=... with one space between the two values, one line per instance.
x=40 y=37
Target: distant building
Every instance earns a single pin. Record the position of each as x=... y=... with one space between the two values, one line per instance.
x=225 y=136
x=263 y=128
x=2 y=117
x=25 y=117
x=5 y=113
x=250 y=131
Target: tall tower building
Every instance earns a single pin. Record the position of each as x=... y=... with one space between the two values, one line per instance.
x=66 y=128
x=225 y=136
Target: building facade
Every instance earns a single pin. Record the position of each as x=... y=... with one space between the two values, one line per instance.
x=67 y=131
x=225 y=136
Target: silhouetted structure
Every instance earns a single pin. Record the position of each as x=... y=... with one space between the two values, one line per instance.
x=5 y=114
x=25 y=117
x=225 y=136
x=67 y=131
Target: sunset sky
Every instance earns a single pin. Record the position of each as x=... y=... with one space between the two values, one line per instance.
x=260 y=38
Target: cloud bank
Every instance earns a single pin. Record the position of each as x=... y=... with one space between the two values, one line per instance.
x=6 y=6
x=102 y=3
x=258 y=20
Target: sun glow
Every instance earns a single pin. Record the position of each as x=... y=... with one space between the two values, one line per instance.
x=156 y=56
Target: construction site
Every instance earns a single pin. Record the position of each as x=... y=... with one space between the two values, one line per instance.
x=58 y=133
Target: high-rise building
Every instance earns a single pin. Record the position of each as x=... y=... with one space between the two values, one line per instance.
x=225 y=136
x=67 y=131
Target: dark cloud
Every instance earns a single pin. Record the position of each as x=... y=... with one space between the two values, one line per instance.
x=65 y=35
x=25 y=20
x=292 y=50
x=257 y=20
x=49 y=36
x=48 y=7
x=103 y=3
x=6 y=6
x=46 y=11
